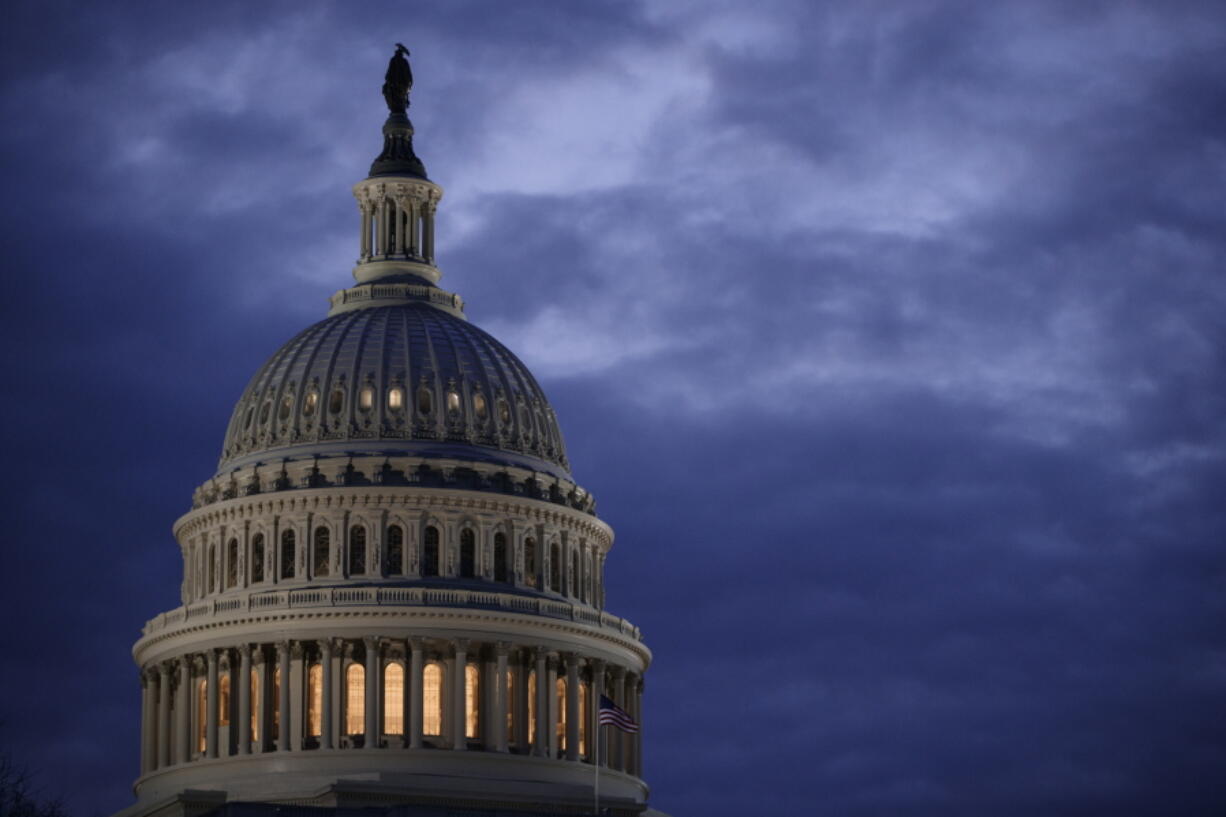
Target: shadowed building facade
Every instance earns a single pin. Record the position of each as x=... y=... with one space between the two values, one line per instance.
x=393 y=587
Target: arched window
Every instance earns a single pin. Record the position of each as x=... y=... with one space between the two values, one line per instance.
x=287 y=404
x=429 y=552
x=288 y=555
x=223 y=700
x=453 y=402
x=395 y=399
x=555 y=568
x=321 y=551
x=255 y=706
x=366 y=398
x=531 y=707
x=530 y=561
x=432 y=699
x=309 y=404
x=500 y=557
x=357 y=550
x=479 y=407
x=560 y=729
x=355 y=700
x=472 y=692
x=425 y=401
x=315 y=700
x=393 y=699
x=257 y=558
x=510 y=705
x=232 y=563
x=468 y=553
x=336 y=401
x=395 y=550
x=572 y=573
x=202 y=713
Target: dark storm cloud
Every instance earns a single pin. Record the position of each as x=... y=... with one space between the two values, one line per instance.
x=888 y=337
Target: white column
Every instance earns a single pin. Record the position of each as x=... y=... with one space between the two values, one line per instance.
x=244 y=699
x=183 y=729
x=399 y=212
x=210 y=706
x=365 y=207
x=638 y=736
x=500 y=698
x=283 y=731
x=427 y=228
x=146 y=723
x=372 y=692
x=459 y=687
x=325 y=722
x=163 y=727
x=551 y=696
x=263 y=703
x=595 y=733
x=572 y=706
x=296 y=687
x=542 y=704
x=414 y=682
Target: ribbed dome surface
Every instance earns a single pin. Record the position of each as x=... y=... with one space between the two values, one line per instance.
x=405 y=379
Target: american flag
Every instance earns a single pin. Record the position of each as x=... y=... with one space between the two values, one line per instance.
x=615 y=715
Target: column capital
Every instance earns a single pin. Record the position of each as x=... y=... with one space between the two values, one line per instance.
x=199 y=663
x=371 y=642
x=502 y=649
x=416 y=643
x=164 y=669
x=282 y=647
x=598 y=664
x=210 y=656
x=296 y=650
x=244 y=651
x=257 y=656
x=461 y=645
x=185 y=662
x=570 y=659
x=619 y=673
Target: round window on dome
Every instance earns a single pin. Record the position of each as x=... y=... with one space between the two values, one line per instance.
x=453 y=402
x=265 y=411
x=287 y=403
x=336 y=402
x=395 y=398
x=310 y=403
x=504 y=412
x=366 y=398
x=425 y=402
x=479 y=406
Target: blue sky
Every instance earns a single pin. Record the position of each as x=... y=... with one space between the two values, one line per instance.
x=888 y=335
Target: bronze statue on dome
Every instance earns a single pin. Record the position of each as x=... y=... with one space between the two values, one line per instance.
x=398 y=81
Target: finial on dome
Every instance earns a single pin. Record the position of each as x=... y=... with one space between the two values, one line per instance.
x=398 y=158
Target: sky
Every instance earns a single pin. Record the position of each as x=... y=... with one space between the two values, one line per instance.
x=889 y=337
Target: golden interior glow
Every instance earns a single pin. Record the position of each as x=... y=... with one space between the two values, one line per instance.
x=531 y=706
x=479 y=406
x=355 y=699
x=223 y=700
x=510 y=705
x=471 y=690
x=202 y=712
x=395 y=399
x=393 y=700
x=366 y=398
x=255 y=705
x=309 y=404
x=584 y=714
x=431 y=699
x=315 y=700
x=453 y=401
x=560 y=694
x=276 y=702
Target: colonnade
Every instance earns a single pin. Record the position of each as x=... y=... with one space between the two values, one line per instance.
x=397 y=226
x=456 y=695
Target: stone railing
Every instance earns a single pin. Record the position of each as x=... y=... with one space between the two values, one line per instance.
x=391 y=597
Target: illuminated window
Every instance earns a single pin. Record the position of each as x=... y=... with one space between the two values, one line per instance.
x=223 y=700
x=287 y=554
x=257 y=558
x=453 y=402
x=500 y=557
x=468 y=553
x=425 y=402
x=315 y=700
x=336 y=401
x=555 y=568
x=471 y=691
x=276 y=703
x=393 y=701
x=357 y=550
x=479 y=406
x=202 y=713
x=395 y=398
x=531 y=707
x=255 y=706
x=321 y=551
x=432 y=699
x=310 y=403
x=560 y=729
x=530 y=561
x=504 y=413
x=366 y=398
x=355 y=700
x=395 y=550
x=429 y=552
x=287 y=404
x=232 y=563
x=510 y=705
x=584 y=714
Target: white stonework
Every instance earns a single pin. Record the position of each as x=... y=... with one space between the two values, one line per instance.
x=392 y=589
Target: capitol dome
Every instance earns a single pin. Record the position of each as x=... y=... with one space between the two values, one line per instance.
x=393 y=590
x=411 y=378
